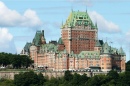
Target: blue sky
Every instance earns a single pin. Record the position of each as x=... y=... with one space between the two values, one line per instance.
x=20 y=19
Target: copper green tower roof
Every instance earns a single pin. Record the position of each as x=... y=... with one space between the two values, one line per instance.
x=37 y=38
x=60 y=41
x=27 y=47
x=99 y=43
x=79 y=18
x=121 y=52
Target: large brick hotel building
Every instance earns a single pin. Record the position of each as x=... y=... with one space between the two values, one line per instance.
x=78 y=48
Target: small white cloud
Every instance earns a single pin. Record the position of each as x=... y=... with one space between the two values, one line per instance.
x=5 y=36
x=12 y=18
x=103 y=24
x=6 y=41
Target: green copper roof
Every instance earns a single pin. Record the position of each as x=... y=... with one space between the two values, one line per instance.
x=114 y=50
x=106 y=48
x=60 y=41
x=99 y=43
x=110 y=50
x=79 y=18
x=50 y=47
x=121 y=52
x=71 y=54
x=27 y=47
x=37 y=38
x=89 y=54
x=59 y=55
x=64 y=51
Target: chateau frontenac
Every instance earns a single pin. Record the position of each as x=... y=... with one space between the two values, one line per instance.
x=78 y=48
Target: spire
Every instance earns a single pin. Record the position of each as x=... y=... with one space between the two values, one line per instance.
x=62 y=22
x=71 y=8
x=86 y=9
x=106 y=39
x=121 y=51
x=96 y=24
x=106 y=48
x=43 y=32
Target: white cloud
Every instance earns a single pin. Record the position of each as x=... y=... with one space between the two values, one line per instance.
x=5 y=36
x=12 y=18
x=82 y=2
x=6 y=41
x=103 y=24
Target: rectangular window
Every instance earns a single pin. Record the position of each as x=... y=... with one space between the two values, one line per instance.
x=80 y=17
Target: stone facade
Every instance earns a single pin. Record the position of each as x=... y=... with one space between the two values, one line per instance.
x=77 y=49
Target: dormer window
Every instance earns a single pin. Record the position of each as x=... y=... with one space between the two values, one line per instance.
x=80 y=17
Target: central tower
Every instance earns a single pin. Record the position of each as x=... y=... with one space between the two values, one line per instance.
x=79 y=33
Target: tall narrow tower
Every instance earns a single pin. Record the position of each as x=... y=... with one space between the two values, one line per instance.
x=79 y=33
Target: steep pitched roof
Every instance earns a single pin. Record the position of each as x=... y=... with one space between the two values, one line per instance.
x=64 y=51
x=89 y=54
x=99 y=43
x=77 y=17
x=27 y=47
x=60 y=41
x=114 y=50
x=121 y=52
x=106 y=48
x=50 y=47
x=37 y=38
x=71 y=54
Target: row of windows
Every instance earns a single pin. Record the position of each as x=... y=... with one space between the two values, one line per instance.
x=106 y=64
x=94 y=62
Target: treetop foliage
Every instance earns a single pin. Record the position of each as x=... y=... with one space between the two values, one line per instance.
x=14 y=60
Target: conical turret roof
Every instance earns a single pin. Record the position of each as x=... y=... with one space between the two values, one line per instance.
x=121 y=52
x=60 y=41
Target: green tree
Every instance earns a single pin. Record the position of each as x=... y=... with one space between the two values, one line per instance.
x=76 y=79
x=29 y=79
x=96 y=80
x=6 y=82
x=113 y=74
x=128 y=66
x=52 y=82
x=41 y=79
x=68 y=76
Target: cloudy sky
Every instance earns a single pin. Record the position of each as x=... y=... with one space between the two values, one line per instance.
x=20 y=19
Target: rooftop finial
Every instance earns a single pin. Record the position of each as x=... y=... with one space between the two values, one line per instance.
x=106 y=39
x=71 y=8
x=62 y=22
x=86 y=9
x=96 y=24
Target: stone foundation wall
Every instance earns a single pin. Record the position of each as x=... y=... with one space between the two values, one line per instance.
x=10 y=75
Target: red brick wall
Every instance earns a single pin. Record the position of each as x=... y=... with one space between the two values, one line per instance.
x=106 y=63
x=81 y=40
x=65 y=39
x=61 y=47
